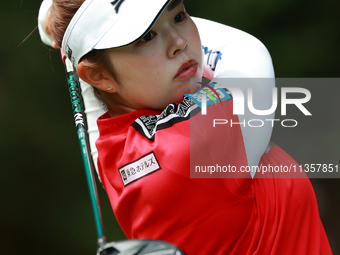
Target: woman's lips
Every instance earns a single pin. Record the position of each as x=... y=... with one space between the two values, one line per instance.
x=187 y=70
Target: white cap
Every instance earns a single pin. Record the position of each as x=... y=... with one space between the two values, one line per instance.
x=43 y=11
x=103 y=24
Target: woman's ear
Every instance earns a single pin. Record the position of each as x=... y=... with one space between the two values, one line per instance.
x=97 y=77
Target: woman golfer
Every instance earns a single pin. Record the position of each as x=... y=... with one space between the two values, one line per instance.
x=144 y=59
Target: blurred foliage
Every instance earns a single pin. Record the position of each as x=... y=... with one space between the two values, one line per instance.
x=44 y=197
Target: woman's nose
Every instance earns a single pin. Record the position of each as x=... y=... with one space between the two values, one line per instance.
x=177 y=43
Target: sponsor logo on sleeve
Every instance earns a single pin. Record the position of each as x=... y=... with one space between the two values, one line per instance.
x=139 y=168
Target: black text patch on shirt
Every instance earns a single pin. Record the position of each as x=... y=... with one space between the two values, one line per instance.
x=139 y=168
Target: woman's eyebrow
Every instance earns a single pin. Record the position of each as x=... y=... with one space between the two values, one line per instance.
x=174 y=4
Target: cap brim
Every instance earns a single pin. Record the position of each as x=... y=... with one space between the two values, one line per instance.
x=134 y=22
x=98 y=25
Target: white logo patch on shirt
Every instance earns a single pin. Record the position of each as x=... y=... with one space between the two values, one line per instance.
x=139 y=168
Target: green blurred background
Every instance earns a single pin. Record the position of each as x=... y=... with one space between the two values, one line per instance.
x=45 y=207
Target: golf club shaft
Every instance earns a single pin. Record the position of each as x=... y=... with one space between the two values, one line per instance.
x=78 y=113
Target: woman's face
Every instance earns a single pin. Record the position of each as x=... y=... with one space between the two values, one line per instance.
x=156 y=70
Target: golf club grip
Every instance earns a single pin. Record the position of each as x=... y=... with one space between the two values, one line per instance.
x=78 y=113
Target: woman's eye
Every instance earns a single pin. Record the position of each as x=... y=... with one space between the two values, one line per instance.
x=180 y=17
x=148 y=37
